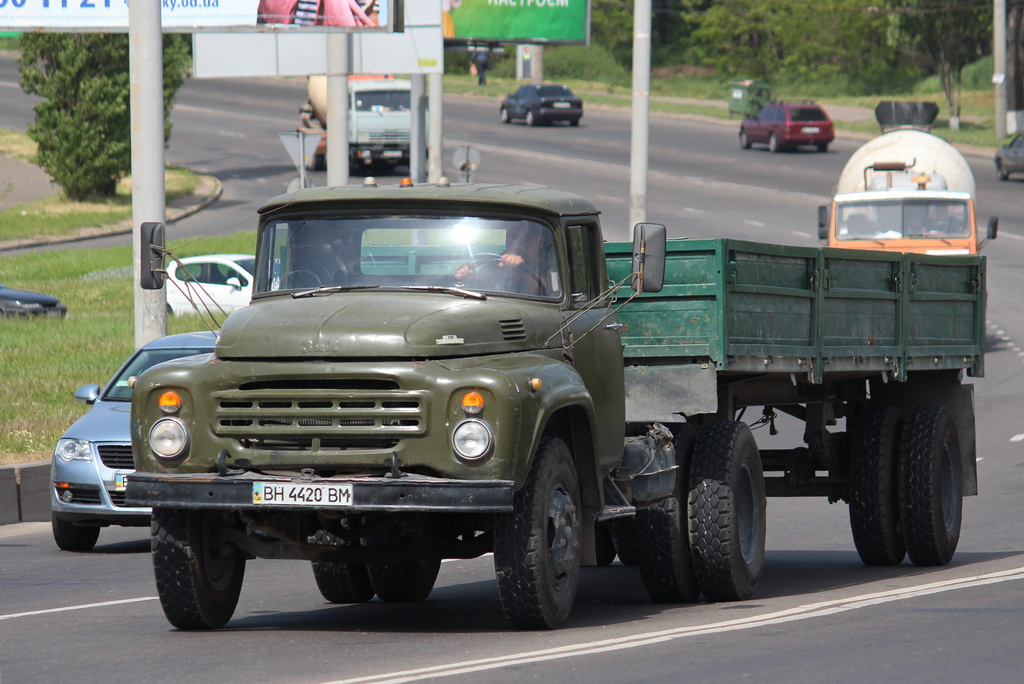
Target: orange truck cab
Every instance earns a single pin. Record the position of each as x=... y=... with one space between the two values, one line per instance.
x=905 y=191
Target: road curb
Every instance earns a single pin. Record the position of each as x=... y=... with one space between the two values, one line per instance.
x=24 y=492
x=209 y=190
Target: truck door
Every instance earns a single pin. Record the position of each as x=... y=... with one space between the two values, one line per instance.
x=594 y=344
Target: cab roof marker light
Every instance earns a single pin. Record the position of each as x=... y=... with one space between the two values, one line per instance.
x=406 y=183
x=443 y=182
x=369 y=182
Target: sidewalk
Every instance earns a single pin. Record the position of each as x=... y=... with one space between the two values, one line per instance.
x=22 y=182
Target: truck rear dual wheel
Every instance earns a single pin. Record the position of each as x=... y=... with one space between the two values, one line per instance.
x=537 y=545
x=931 y=485
x=198 y=582
x=341 y=582
x=874 y=486
x=727 y=507
x=662 y=541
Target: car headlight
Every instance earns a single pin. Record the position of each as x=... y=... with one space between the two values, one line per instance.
x=73 y=450
x=472 y=439
x=168 y=438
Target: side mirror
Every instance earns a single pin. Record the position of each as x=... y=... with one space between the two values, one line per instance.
x=993 y=227
x=87 y=394
x=823 y=220
x=648 y=257
x=151 y=255
x=234 y=282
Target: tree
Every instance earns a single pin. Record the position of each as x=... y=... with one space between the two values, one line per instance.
x=83 y=122
x=950 y=34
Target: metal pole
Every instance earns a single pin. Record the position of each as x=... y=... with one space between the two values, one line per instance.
x=338 y=61
x=641 y=109
x=146 y=77
x=435 y=142
x=999 y=55
x=417 y=135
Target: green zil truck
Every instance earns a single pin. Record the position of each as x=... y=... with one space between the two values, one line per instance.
x=446 y=371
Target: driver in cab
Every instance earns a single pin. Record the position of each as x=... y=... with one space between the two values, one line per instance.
x=524 y=267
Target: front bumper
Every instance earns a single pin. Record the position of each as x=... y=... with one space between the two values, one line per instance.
x=409 y=493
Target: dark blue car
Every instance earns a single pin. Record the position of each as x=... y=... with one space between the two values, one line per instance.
x=542 y=104
x=26 y=303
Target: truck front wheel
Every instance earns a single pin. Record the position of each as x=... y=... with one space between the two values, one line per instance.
x=662 y=538
x=931 y=485
x=198 y=581
x=727 y=511
x=874 y=494
x=537 y=545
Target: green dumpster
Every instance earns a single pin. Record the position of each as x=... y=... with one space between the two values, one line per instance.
x=747 y=96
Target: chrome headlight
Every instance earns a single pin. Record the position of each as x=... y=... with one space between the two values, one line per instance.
x=73 y=450
x=168 y=438
x=472 y=439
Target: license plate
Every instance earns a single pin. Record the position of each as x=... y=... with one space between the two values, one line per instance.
x=561 y=105
x=810 y=129
x=392 y=153
x=302 y=494
x=120 y=481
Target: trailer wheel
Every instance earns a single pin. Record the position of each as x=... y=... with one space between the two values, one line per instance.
x=407 y=581
x=931 y=485
x=340 y=582
x=198 y=581
x=537 y=545
x=874 y=493
x=662 y=536
x=727 y=511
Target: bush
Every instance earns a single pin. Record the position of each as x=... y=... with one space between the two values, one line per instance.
x=83 y=121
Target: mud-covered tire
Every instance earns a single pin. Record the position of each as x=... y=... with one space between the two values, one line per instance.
x=662 y=535
x=71 y=537
x=931 y=485
x=198 y=584
x=727 y=508
x=340 y=582
x=874 y=488
x=537 y=545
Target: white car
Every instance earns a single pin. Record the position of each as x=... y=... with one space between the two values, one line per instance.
x=215 y=282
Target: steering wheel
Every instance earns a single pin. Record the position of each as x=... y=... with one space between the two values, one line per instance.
x=489 y=260
x=300 y=277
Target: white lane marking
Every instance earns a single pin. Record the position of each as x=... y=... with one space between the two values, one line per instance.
x=1017 y=438
x=804 y=612
x=84 y=606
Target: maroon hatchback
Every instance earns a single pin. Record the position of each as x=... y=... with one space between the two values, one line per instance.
x=787 y=125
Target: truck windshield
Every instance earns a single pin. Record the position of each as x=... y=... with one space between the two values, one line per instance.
x=382 y=101
x=514 y=257
x=898 y=219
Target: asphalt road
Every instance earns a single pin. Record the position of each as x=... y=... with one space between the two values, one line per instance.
x=819 y=614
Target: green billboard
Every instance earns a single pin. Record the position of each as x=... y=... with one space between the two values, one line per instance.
x=516 y=21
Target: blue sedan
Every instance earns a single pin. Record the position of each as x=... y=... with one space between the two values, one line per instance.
x=95 y=454
x=542 y=104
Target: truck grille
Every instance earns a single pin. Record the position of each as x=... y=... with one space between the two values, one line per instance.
x=389 y=137
x=319 y=416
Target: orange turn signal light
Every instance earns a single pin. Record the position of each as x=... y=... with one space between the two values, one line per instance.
x=472 y=403
x=169 y=402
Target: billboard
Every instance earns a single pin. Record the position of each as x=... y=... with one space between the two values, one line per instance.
x=516 y=21
x=190 y=16
x=419 y=49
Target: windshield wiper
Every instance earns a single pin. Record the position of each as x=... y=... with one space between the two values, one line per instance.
x=470 y=294
x=331 y=289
